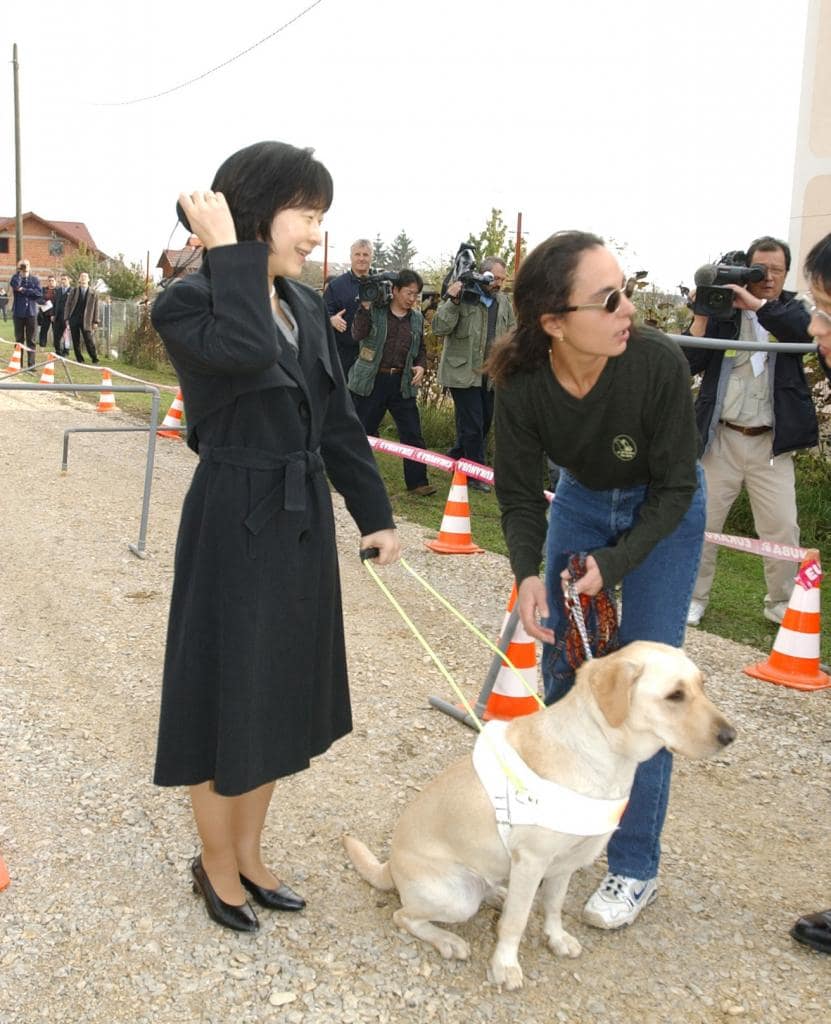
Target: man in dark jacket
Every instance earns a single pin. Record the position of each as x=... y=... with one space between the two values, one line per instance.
x=754 y=409
x=59 y=320
x=81 y=312
x=27 y=295
x=341 y=299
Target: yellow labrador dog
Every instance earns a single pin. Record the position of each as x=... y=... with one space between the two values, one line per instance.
x=456 y=844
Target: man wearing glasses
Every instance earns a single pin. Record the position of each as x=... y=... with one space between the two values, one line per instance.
x=754 y=409
x=469 y=329
x=27 y=295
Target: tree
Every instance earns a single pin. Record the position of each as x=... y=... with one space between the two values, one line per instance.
x=85 y=261
x=380 y=256
x=493 y=240
x=402 y=252
x=124 y=281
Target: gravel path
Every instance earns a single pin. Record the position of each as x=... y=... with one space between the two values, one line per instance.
x=99 y=924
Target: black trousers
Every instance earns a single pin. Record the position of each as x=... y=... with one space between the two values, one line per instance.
x=77 y=330
x=474 y=414
x=57 y=333
x=43 y=334
x=24 y=334
x=386 y=397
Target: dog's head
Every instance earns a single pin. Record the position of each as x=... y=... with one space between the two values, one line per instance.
x=652 y=696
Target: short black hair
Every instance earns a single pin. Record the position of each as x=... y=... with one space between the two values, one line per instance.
x=818 y=263
x=767 y=243
x=408 y=277
x=267 y=177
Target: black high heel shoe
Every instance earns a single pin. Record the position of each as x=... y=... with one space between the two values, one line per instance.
x=241 y=919
x=281 y=898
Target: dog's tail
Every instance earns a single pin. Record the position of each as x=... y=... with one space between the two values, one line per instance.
x=367 y=864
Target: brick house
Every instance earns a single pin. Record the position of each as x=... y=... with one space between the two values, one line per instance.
x=178 y=262
x=46 y=244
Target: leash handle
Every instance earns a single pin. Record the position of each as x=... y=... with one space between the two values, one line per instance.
x=366 y=553
x=576 y=610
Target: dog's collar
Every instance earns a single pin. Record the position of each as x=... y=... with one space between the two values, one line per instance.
x=537 y=801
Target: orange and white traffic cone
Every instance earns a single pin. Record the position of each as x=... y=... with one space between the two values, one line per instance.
x=173 y=418
x=4 y=875
x=454 y=534
x=48 y=375
x=16 y=362
x=794 y=660
x=509 y=698
x=106 y=401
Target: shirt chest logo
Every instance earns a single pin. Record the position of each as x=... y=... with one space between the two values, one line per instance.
x=624 y=448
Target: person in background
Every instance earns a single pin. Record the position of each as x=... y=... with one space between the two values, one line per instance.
x=46 y=312
x=469 y=329
x=754 y=410
x=611 y=405
x=81 y=312
x=814 y=930
x=341 y=298
x=4 y=302
x=389 y=369
x=27 y=295
x=59 y=319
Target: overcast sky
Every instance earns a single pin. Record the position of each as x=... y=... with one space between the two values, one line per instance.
x=669 y=126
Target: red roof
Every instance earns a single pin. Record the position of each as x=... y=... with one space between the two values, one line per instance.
x=72 y=229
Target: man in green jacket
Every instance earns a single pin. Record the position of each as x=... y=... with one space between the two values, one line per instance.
x=389 y=368
x=469 y=319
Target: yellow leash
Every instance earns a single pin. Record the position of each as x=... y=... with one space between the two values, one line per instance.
x=368 y=553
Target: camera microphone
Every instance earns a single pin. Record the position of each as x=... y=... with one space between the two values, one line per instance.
x=706 y=275
x=487 y=277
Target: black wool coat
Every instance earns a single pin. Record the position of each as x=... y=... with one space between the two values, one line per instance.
x=255 y=677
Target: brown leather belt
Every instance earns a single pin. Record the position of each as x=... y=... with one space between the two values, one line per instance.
x=392 y=369
x=747 y=431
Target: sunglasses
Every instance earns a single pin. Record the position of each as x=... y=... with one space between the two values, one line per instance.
x=610 y=304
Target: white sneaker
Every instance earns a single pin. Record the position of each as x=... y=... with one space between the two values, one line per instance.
x=619 y=900
x=695 y=613
x=776 y=612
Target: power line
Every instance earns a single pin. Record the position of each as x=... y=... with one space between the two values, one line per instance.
x=225 y=63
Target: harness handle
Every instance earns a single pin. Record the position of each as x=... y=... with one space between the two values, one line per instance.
x=366 y=553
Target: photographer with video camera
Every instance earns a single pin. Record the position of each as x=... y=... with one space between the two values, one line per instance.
x=754 y=409
x=473 y=313
x=391 y=361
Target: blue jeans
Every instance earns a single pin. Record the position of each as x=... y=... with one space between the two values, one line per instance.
x=655 y=597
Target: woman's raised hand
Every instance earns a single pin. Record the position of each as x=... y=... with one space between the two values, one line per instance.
x=209 y=217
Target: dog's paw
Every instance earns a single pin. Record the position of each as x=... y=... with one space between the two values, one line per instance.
x=564 y=944
x=505 y=975
x=452 y=947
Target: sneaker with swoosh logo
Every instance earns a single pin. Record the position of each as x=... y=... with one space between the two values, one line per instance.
x=618 y=901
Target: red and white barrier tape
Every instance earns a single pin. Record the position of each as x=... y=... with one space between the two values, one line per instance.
x=766 y=548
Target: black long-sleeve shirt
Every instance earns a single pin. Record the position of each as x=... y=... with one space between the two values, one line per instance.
x=635 y=426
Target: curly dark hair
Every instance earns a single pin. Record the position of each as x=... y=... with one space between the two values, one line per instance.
x=542 y=286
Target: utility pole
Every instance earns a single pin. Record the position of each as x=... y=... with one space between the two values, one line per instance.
x=18 y=225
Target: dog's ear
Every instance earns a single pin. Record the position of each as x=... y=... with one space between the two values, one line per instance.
x=611 y=682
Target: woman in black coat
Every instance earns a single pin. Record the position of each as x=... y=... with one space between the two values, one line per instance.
x=255 y=678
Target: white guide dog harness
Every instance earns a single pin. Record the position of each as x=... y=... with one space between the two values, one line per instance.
x=538 y=802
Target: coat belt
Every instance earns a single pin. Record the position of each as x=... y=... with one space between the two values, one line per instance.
x=296 y=465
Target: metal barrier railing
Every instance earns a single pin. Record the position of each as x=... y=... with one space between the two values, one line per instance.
x=138 y=549
x=752 y=346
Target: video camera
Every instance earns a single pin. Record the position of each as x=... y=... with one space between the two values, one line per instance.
x=464 y=270
x=376 y=287
x=711 y=297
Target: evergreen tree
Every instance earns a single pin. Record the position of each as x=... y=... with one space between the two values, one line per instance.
x=123 y=281
x=402 y=252
x=380 y=256
x=493 y=240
